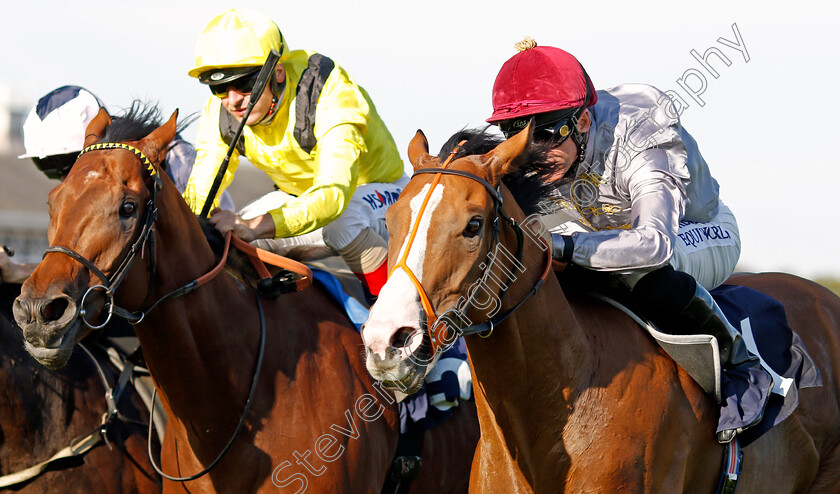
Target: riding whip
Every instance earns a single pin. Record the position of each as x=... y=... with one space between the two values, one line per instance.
x=266 y=72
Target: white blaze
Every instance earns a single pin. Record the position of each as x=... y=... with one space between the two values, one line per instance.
x=398 y=304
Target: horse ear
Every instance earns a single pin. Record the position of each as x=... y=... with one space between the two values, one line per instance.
x=418 y=150
x=156 y=144
x=509 y=155
x=96 y=128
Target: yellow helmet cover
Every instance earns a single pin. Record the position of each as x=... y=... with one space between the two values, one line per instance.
x=236 y=38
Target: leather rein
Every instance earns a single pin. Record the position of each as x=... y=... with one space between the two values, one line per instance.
x=483 y=329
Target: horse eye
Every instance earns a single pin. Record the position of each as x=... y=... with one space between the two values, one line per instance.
x=473 y=227
x=127 y=209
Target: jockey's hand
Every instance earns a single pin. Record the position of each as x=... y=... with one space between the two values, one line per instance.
x=12 y=272
x=248 y=230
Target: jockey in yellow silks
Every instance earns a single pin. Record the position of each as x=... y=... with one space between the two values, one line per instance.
x=313 y=131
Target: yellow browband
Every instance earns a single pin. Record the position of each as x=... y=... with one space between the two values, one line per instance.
x=118 y=145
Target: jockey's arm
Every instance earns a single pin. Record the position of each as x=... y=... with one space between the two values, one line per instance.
x=657 y=204
x=337 y=169
x=336 y=174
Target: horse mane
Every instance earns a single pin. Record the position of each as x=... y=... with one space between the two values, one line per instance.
x=139 y=120
x=527 y=184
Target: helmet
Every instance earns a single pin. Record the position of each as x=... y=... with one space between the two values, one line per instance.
x=56 y=127
x=233 y=43
x=540 y=79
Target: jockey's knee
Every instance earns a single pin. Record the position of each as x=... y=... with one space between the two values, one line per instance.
x=366 y=255
x=662 y=294
x=361 y=251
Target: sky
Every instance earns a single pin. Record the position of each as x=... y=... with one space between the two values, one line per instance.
x=766 y=123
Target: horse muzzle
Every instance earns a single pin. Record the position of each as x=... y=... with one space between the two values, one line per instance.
x=51 y=327
x=405 y=361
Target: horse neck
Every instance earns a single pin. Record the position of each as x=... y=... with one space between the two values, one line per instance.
x=542 y=333
x=200 y=347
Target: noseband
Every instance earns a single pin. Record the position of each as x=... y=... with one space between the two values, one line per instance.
x=147 y=233
x=485 y=328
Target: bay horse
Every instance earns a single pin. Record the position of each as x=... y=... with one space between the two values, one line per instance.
x=262 y=396
x=572 y=395
x=44 y=411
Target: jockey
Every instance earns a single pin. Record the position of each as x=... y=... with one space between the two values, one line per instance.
x=53 y=136
x=313 y=131
x=637 y=187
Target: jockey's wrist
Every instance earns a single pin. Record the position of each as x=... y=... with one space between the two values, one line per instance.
x=563 y=247
x=262 y=226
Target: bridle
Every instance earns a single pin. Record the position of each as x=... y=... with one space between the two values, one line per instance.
x=485 y=328
x=114 y=281
x=146 y=234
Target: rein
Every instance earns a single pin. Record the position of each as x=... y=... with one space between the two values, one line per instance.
x=248 y=402
x=435 y=330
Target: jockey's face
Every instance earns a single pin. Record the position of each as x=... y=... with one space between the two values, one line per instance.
x=564 y=155
x=236 y=102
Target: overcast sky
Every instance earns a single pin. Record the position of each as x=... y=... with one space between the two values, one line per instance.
x=767 y=124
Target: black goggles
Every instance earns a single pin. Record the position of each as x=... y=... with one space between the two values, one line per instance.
x=243 y=85
x=557 y=132
x=550 y=126
x=56 y=166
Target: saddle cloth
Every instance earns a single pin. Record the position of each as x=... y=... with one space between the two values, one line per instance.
x=762 y=323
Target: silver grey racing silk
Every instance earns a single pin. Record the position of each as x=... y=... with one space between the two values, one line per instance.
x=642 y=174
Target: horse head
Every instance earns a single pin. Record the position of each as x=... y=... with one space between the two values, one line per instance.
x=101 y=216
x=447 y=220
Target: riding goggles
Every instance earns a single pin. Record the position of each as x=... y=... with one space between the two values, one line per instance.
x=243 y=85
x=557 y=126
x=557 y=132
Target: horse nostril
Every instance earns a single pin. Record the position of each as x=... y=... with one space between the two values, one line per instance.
x=402 y=338
x=54 y=309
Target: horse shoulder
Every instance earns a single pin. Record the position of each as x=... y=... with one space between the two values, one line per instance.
x=326 y=406
x=643 y=403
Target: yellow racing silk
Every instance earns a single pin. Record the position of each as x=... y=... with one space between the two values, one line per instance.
x=325 y=139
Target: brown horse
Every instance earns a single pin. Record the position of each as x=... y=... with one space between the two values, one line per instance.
x=572 y=395
x=301 y=415
x=44 y=411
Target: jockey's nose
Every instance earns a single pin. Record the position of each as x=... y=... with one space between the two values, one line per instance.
x=234 y=97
